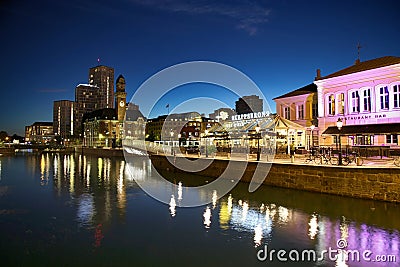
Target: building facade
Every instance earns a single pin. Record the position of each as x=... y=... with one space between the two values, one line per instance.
x=40 y=133
x=103 y=77
x=249 y=104
x=301 y=107
x=168 y=127
x=105 y=127
x=64 y=118
x=120 y=98
x=366 y=98
x=86 y=100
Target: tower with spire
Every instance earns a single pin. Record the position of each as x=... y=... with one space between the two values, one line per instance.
x=120 y=98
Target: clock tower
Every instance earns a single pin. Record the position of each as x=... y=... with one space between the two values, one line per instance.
x=120 y=98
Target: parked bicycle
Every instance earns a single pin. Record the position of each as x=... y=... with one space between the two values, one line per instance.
x=352 y=157
x=310 y=158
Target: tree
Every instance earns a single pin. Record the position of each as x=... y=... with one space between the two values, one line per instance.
x=3 y=135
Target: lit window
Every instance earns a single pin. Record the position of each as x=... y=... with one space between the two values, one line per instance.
x=384 y=97
x=340 y=98
x=300 y=112
x=367 y=99
x=287 y=113
x=331 y=105
x=355 y=102
x=396 y=96
x=314 y=110
x=391 y=139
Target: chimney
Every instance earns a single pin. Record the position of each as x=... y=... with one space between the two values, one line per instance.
x=357 y=61
x=318 y=74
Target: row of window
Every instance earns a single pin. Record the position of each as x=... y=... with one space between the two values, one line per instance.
x=300 y=112
x=363 y=100
x=391 y=139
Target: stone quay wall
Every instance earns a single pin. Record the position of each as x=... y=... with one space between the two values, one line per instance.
x=360 y=182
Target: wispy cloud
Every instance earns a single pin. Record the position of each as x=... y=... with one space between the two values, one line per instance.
x=52 y=90
x=247 y=15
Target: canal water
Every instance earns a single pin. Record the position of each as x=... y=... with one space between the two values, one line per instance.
x=76 y=210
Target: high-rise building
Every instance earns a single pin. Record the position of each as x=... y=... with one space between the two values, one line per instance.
x=103 y=77
x=249 y=104
x=86 y=100
x=63 y=118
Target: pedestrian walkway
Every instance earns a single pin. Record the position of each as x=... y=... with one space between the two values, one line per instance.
x=370 y=162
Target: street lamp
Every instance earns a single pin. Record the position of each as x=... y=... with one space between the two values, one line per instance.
x=258 y=142
x=172 y=149
x=312 y=129
x=206 y=133
x=339 y=125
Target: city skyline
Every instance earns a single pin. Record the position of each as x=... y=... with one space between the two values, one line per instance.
x=48 y=47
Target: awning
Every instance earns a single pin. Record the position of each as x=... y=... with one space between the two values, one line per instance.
x=388 y=128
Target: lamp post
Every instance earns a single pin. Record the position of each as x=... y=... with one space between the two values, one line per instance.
x=258 y=142
x=179 y=139
x=339 y=125
x=206 y=133
x=172 y=147
x=312 y=129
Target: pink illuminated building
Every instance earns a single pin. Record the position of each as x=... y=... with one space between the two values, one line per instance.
x=366 y=97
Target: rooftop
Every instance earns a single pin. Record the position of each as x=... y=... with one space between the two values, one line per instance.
x=311 y=88
x=363 y=66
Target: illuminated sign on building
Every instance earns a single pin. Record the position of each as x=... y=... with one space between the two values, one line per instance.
x=249 y=116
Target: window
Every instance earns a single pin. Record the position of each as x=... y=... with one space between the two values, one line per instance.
x=367 y=99
x=384 y=97
x=355 y=102
x=287 y=113
x=391 y=139
x=396 y=96
x=331 y=105
x=314 y=110
x=340 y=103
x=300 y=112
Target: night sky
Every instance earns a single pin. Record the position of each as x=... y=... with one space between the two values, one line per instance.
x=47 y=47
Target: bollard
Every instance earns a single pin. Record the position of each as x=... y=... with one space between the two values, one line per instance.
x=358 y=161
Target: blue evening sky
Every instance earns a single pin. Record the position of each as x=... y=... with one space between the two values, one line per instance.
x=47 y=47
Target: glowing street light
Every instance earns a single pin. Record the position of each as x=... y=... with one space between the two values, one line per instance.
x=172 y=149
x=258 y=142
x=339 y=125
x=312 y=129
x=206 y=133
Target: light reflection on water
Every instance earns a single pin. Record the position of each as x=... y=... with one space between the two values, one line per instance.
x=103 y=196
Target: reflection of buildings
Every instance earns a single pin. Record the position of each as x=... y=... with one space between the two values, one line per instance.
x=77 y=175
x=39 y=132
